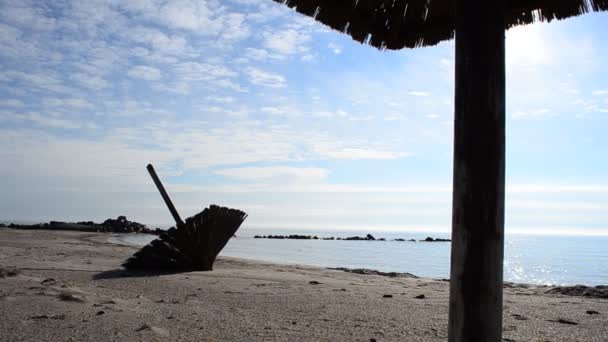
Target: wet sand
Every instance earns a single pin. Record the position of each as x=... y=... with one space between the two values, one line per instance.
x=68 y=286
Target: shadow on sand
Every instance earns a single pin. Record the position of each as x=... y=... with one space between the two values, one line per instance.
x=122 y=273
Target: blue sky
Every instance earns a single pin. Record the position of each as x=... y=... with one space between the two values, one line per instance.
x=247 y=104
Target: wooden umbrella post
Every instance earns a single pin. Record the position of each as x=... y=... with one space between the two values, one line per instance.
x=163 y=193
x=479 y=172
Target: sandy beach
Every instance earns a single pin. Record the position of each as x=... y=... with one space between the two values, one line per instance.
x=69 y=286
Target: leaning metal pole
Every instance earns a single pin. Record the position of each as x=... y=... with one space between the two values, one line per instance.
x=479 y=173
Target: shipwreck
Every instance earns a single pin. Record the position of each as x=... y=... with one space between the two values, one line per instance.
x=192 y=245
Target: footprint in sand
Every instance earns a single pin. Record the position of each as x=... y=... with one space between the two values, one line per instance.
x=156 y=330
x=519 y=317
x=68 y=297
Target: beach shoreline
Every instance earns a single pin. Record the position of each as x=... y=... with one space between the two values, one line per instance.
x=70 y=285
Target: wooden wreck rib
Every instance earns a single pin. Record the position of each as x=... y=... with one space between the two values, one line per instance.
x=193 y=245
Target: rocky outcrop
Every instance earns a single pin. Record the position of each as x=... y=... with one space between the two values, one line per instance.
x=122 y=225
x=368 y=237
x=118 y=225
x=600 y=291
x=430 y=239
x=283 y=237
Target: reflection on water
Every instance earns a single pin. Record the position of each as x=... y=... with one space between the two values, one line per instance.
x=528 y=259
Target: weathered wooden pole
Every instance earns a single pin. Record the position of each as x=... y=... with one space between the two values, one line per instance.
x=163 y=193
x=479 y=172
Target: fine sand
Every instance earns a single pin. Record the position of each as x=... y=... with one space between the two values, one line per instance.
x=68 y=286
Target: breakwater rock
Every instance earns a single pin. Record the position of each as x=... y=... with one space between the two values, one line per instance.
x=118 y=225
x=600 y=291
x=368 y=237
x=430 y=239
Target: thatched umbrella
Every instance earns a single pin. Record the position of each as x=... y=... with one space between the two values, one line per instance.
x=479 y=123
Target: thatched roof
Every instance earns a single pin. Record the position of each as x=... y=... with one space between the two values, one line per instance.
x=394 y=24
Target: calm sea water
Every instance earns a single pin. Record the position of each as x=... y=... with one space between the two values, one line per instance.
x=548 y=260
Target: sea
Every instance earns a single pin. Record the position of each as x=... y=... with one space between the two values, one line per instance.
x=529 y=259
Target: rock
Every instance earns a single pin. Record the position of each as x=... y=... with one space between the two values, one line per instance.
x=122 y=225
x=564 y=321
x=430 y=239
x=399 y=240
x=367 y=271
x=600 y=291
x=592 y=312
x=48 y=281
x=420 y=296
x=314 y=282
x=370 y=237
x=68 y=297
x=387 y=296
x=156 y=330
x=100 y=312
x=119 y=225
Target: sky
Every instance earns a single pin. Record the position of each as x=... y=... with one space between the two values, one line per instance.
x=247 y=104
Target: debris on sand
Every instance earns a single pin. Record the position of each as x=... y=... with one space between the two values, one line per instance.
x=8 y=271
x=367 y=271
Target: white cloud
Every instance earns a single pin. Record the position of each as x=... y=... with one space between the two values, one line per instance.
x=261 y=54
x=600 y=92
x=265 y=78
x=276 y=173
x=91 y=81
x=286 y=42
x=45 y=81
x=196 y=16
x=193 y=71
x=308 y=58
x=145 y=73
x=77 y=103
x=165 y=44
x=235 y=27
x=418 y=93
x=182 y=88
x=28 y=17
x=47 y=121
x=532 y=114
x=335 y=48
x=336 y=150
x=221 y=99
x=332 y=114
x=11 y=103
x=361 y=153
x=273 y=110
